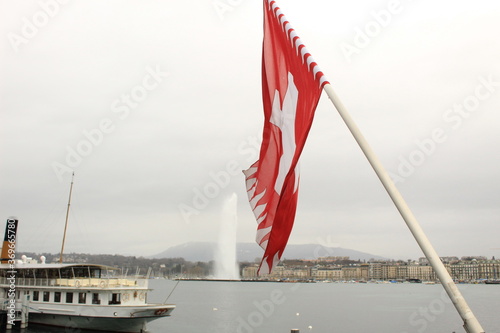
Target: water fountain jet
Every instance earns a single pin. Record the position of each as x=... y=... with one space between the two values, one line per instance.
x=226 y=265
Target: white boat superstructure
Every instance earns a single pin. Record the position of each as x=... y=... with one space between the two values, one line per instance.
x=83 y=296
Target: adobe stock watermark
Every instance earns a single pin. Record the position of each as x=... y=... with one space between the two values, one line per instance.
x=363 y=36
x=264 y=309
x=31 y=26
x=325 y=247
x=122 y=108
x=223 y=6
x=219 y=180
x=419 y=320
x=454 y=118
x=89 y=312
x=11 y=274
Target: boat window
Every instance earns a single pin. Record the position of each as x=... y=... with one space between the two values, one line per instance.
x=52 y=273
x=95 y=298
x=57 y=297
x=82 y=298
x=95 y=272
x=81 y=272
x=69 y=297
x=46 y=296
x=35 y=295
x=115 y=299
x=66 y=273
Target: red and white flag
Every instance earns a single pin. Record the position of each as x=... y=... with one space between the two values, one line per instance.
x=291 y=88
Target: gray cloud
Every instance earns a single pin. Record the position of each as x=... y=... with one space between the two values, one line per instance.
x=63 y=80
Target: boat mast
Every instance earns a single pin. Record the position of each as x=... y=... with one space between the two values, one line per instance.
x=67 y=215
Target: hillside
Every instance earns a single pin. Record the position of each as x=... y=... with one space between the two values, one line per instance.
x=205 y=251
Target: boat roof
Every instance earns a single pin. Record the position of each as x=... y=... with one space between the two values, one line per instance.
x=54 y=266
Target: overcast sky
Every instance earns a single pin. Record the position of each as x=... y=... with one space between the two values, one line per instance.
x=156 y=106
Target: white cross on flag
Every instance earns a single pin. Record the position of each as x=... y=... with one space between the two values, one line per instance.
x=291 y=88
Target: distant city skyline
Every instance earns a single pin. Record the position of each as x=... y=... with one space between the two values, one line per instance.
x=248 y=252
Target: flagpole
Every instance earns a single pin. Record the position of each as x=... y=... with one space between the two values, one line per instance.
x=471 y=324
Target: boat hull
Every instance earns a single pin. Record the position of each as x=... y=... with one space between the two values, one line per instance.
x=492 y=282
x=116 y=323
x=131 y=325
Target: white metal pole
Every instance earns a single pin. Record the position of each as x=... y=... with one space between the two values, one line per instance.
x=471 y=324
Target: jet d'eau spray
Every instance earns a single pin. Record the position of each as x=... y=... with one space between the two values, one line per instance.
x=226 y=265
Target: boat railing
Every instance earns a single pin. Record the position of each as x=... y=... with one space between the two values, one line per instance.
x=79 y=282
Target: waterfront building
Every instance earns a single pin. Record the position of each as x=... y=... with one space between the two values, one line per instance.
x=333 y=273
x=468 y=270
x=489 y=269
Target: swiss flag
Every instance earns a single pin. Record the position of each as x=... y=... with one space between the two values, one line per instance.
x=291 y=88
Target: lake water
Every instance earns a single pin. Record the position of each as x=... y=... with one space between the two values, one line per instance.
x=262 y=307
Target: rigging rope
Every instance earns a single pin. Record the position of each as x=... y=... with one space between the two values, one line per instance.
x=165 y=301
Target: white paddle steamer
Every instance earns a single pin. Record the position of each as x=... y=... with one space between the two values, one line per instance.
x=83 y=296
x=75 y=296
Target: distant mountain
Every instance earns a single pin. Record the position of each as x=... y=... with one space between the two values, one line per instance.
x=205 y=251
